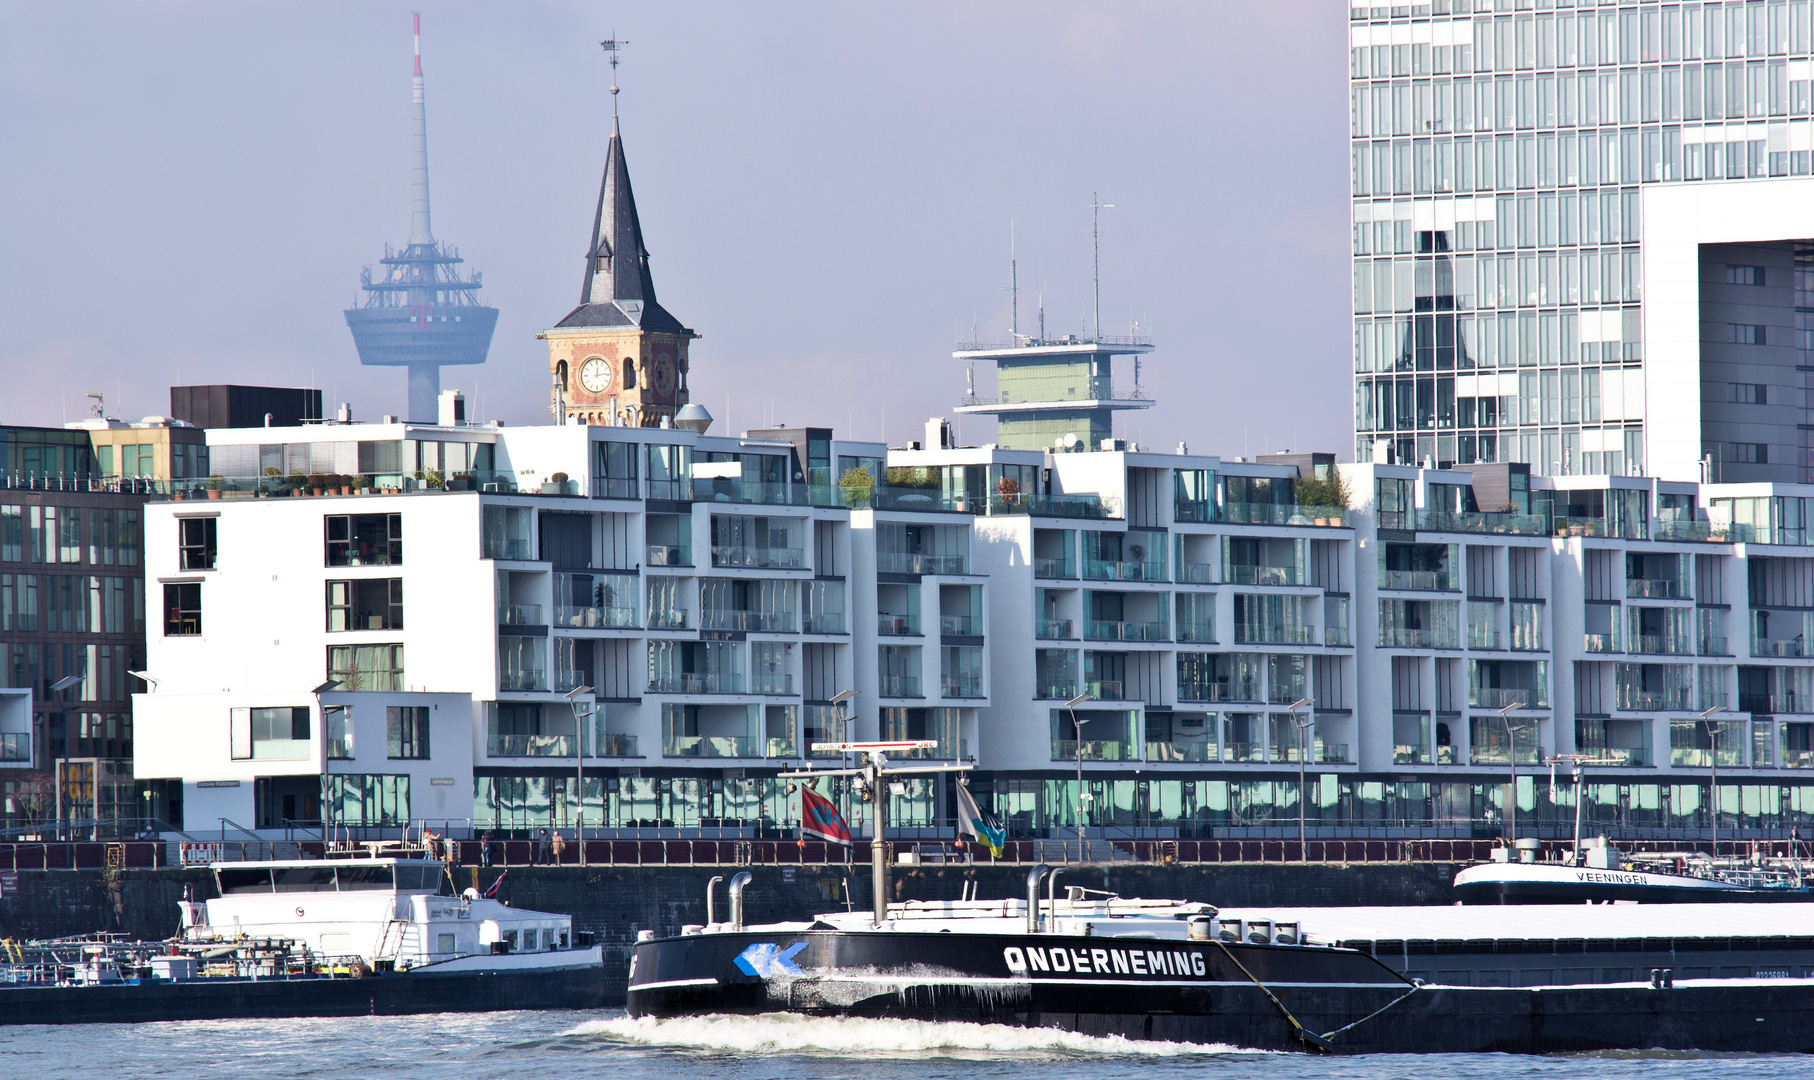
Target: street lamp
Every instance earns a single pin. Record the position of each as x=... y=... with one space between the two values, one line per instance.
x=1713 y=770
x=56 y=690
x=1302 y=723
x=843 y=717
x=1511 y=761
x=321 y=711
x=579 y=768
x=1077 y=727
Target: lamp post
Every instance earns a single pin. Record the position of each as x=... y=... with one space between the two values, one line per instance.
x=1713 y=770
x=843 y=718
x=1077 y=729
x=1511 y=761
x=579 y=768
x=1302 y=723
x=321 y=711
x=57 y=688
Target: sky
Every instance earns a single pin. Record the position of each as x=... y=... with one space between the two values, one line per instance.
x=827 y=191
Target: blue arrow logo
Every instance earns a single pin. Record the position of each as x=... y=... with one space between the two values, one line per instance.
x=767 y=960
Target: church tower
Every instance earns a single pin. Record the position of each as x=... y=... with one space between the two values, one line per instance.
x=618 y=358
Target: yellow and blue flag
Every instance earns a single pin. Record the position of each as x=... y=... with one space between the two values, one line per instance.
x=971 y=819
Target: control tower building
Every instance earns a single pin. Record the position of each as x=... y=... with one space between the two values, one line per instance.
x=419 y=313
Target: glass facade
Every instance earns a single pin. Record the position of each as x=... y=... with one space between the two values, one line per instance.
x=1497 y=154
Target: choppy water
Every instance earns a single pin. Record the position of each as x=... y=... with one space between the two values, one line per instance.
x=497 y=1046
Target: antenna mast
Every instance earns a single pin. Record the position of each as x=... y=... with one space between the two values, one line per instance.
x=419 y=231
x=1013 y=289
x=1097 y=206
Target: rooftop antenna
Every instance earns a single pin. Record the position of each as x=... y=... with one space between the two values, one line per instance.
x=611 y=46
x=1013 y=289
x=99 y=408
x=419 y=231
x=1042 y=316
x=1097 y=206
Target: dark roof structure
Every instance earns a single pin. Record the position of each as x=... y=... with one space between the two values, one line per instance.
x=618 y=289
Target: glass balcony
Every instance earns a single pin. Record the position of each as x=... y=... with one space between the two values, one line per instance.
x=1502 y=524
x=961 y=686
x=780 y=746
x=1337 y=635
x=1399 y=637
x=733 y=490
x=1602 y=643
x=1093 y=750
x=1194 y=511
x=1054 y=568
x=822 y=622
x=1659 y=644
x=1110 y=630
x=1713 y=532
x=1498 y=697
x=1656 y=589
x=1190 y=573
x=1110 y=570
x=960 y=625
x=671 y=490
x=766 y=558
x=1271 y=633
x=589 y=617
x=908 y=562
x=1711 y=645
x=1483 y=637
x=520 y=615
x=906 y=686
x=896 y=625
x=609 y=487
x=1279 y=514
x=709 y=746
x=773 y=684
x=668 y=619
x=15 y=746
x=1194 y=751
x=502 y=745
x=1055 y=629
x=503 y=547
x=664 y=555
x=761 y=621
x=1103 y=690
x=1264 y=575
x=1062 y=691
x=1764 y=646
x=697 y=682
x=1214 y=691
x=1198 y=632
x=511 y=677
x=611 y=744
x=1417 y=580
x=1651 y=700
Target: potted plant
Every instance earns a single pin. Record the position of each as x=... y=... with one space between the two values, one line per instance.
x=215 y=483
x=434 y=478
x=559 y=483
x=297 y=482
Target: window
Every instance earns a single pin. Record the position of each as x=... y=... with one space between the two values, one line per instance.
x=1744 y=275
x=195 y=543
x=183 y=609
x=1744 y=334
x=366 y=667
x=1748 y=453
x=1750 y=393
x=12 y=534
x=271 y=734
x=370 y=604
x=364 y=539
x=406 y=731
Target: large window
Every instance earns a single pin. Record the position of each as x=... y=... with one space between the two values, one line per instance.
x=406 y=731
x=195 y=543
x=369 y=604
x=366 y=667
x=279 y=734
x=364 y=539
x=368 y=799
x=183 y=609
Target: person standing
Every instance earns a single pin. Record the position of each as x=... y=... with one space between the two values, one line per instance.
x=485 y=848
x=541 y=848
x=560 y=846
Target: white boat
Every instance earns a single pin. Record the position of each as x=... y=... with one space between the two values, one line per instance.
x=1597 y=872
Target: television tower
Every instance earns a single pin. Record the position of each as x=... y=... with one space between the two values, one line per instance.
x=418 y=311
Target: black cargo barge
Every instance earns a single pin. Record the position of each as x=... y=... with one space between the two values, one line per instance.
x=386 y=994
x=1103 y=965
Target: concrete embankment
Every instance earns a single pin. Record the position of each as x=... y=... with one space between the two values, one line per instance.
x=614 y=902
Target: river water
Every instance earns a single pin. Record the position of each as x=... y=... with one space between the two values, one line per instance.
x=493 y=1046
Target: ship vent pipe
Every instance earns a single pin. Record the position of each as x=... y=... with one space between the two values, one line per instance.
x=737 y=884
x=710 y=887
x=1052 y=894
x=1033 y=877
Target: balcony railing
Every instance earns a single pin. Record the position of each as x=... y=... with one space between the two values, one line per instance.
x=667 y=555
x=1417 y=580
x=697 y=682
x=1277 y=514
x=504 y=547
x=1502 y=524
x=1399 y=637
x=1241 y=574
x=15 y=746
x=589 y=617
x=773 y=684
x=611 y=744
x=1274 y=634
x=668 y=619
x=1104 y=690
x=1190 y=573
x=896 y=625
x=1112 y=570
x=1601 y=643
x=1193 y=751
x=913 y=562
x=1483 y=637
x=780 y=746
x=1197 y=511
x=822 y=622
x=1656 y=589
x=520 y=615
x=709 y=746
x=1660 y=644
x=1597 y=526
x=1498 y=697
x=1053 y=568
x=1110 y=630
x=1651 y=700
x=1215 y=691
x=1203 y=633
x=961 y=686
x=1763 y=646
x=607 y=487
x=523 y=679
x=960 y=625
x=501 y=745
x=1093 y=750
x=732 y=619
x=1060 y=691
x=1337 y=635
x=671 y=490
x=767 y=558
x=1710 y=645
x=899 y=686
x=1054 y=629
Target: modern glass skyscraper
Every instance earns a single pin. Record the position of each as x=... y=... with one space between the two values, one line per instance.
x=1575 y=232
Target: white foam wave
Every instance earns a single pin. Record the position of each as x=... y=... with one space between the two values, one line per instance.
x=792 y=1033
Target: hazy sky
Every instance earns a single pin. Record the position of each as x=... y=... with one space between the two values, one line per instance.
x=190 y=190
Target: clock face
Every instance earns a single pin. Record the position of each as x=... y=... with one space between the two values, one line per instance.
x=595 y=375
x=664 y=376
